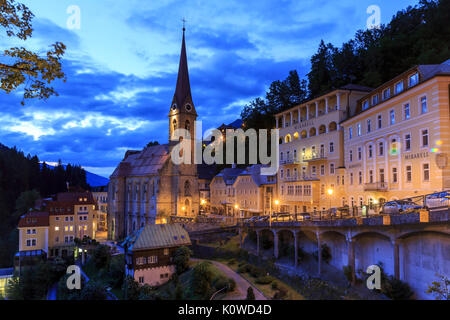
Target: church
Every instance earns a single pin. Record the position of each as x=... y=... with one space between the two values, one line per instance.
x=147 y=187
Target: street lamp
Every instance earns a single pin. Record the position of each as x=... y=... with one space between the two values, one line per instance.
x=330 y=192
x=277 y=203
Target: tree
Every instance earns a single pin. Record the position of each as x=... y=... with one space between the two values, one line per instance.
x=440 y=289
x=22 y=66
x=250 y=294
x=25 y=203
x=131 y=289
x=152 y=143
x=93 y=291
x=202 y=278
x=101 y=256
x=181 y=259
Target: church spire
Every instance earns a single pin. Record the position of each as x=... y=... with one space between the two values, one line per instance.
x=183 y=89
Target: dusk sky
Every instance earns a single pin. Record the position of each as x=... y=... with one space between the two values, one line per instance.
x=122 y=63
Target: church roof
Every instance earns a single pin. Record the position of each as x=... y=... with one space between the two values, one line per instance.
x=183 y=89
x=146 y=162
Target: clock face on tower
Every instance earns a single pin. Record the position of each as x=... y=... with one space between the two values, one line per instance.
x=188 y=107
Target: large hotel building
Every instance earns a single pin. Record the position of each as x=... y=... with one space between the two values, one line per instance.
x=356 y=145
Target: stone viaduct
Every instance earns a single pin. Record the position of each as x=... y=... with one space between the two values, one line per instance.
x=412 y=247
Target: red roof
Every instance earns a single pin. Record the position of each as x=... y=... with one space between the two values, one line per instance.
x=34 y=219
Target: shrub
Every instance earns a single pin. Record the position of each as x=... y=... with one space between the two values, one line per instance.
x=274 y=285
x=348 y=272
x=181 y=259
x=396 y=289
x=101 y=256
x=264 y=280
x=244 y=268
x=232 y=262
x=256 y=272
x=202 y=278
x=280 y=294
x=440 y=288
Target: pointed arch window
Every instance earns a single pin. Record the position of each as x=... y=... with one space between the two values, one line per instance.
x=187 y=126
x=174 y=123
x=187 y=188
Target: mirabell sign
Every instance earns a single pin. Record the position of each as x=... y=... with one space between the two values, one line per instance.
x=416 y=155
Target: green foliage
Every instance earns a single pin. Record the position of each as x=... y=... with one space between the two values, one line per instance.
x=202 y=278
x=440 y=289
x=181 y=259
x=265 y=280
x=34 y=70
x=250 y=294
x=256 y=272
x=101 y=256
x=232 y=262
x=131 y=289
x=152 y=143
x=20 y=177
x=92 y=291
x=348 y=273
x=281 y=293
x=393 y=288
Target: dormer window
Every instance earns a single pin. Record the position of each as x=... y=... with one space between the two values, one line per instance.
x=413 y=80
x=366 y=105
x=399 y=87
x=375 y=100
x=387 y=93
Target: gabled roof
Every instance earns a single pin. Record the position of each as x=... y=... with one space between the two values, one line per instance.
x=229 y=175
x=154 y=236
x=255 y=172
x=34 y=219
x=146 y=162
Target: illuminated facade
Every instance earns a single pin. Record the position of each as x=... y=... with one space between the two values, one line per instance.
x=311 y=175
x=147 y=187
x=397 y=142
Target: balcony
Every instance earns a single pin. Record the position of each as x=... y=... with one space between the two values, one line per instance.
x=314 y=157
x=300 y=178
x=377 y=186
x=290 y=161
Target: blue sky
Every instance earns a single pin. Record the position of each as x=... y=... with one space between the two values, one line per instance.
x=121 y=67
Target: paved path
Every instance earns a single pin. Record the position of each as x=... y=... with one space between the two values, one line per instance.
x=242 y=284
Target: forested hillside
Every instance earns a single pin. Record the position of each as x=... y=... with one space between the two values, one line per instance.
x=416 y=35
x=22 y=180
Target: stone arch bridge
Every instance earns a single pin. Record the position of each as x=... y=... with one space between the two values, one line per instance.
x=412 y=247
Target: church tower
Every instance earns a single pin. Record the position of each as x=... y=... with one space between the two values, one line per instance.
x=183 y=115
x=182 y=112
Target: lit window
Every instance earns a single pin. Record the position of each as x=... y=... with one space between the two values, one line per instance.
x=56 y=228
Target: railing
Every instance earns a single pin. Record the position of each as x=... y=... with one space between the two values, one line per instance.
x=314 y=157
x=300 y=178
x=290 y=161
x=377 y=186
x=432 y=202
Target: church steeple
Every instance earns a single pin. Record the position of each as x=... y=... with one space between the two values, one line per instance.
x=182 y=112
x=182 y=97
